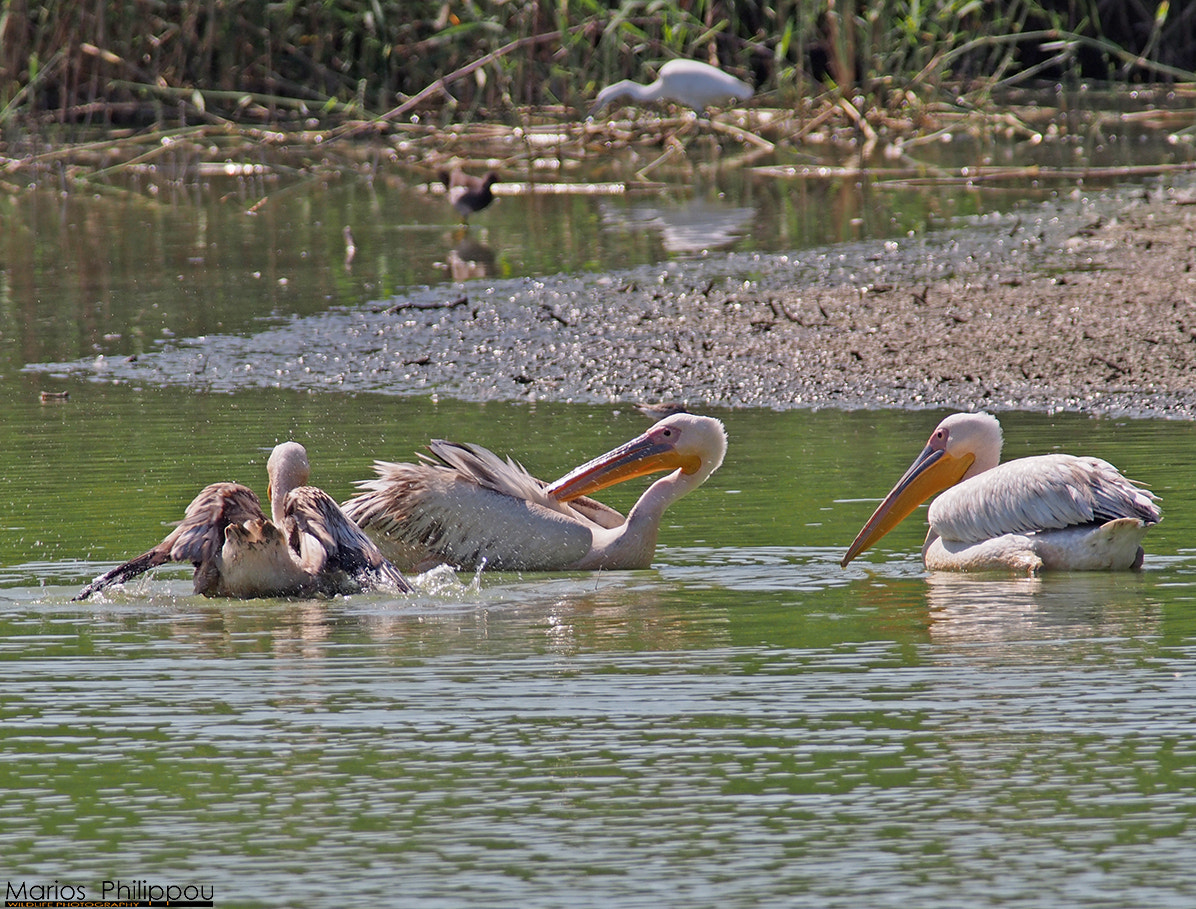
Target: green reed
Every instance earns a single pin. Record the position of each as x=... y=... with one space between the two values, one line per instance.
x=291 y=63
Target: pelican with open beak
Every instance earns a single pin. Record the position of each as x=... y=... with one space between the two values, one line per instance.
x=1051 y=512
x=466 y=507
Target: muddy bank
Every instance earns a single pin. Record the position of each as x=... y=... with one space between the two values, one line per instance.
x=1085 y=305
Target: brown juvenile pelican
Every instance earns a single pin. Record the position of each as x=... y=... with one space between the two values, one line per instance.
x=466 y=507
x=308 y=548
x=468 y=194
x=1052 y=512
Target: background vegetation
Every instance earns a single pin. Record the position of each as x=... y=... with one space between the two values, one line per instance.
x=138 y=62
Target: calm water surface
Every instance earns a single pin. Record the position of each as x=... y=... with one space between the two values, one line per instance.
x=745 y=724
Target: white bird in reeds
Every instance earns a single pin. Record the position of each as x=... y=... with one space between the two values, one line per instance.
x=688 y=82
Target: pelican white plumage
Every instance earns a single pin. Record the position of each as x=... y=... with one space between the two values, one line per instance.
x=309 y=547
x=468 y=508
x=1050 y=512
x=688 y=82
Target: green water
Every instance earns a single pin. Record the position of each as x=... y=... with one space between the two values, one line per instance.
x=745 y=724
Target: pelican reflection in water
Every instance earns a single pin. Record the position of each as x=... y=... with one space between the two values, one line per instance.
x=464 y=506
x=308 y=547
x=1051 y=512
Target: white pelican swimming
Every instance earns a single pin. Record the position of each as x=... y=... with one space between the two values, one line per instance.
x=1053 y=512
x=466 y=507
x=309 y=547
x=688 y=82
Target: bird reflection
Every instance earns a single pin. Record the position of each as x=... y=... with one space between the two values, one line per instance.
x=685 y=228
x=982 y=608
x=470 y=258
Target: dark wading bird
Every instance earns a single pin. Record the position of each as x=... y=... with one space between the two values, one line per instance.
x=466 y=507
x=467 y=194
x=688 y=82
x=308 y=548
x=1051 y=512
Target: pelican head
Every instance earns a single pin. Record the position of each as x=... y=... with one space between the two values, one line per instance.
x=962 y=446
x=686 y=443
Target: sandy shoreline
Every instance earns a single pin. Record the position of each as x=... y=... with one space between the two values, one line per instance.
x=1066 y=307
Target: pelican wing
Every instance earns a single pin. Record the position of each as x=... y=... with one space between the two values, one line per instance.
x=1049 y=492
x=200 y=536
x=434 y=512
x=510 y=478
x=325 y=542
x=198 y=539
x=486 y=469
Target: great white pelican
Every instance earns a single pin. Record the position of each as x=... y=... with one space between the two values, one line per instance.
x=466 y=507
x=1050 y=512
